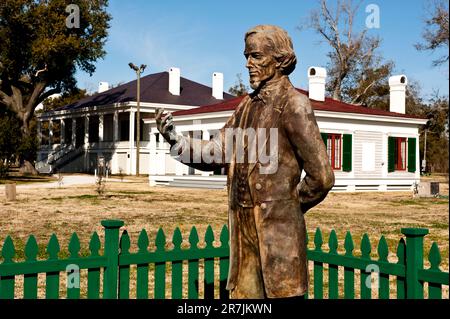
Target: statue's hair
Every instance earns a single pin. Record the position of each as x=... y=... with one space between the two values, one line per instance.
x=280 y=44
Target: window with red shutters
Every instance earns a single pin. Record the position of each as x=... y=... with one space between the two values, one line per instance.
x=400 y=153
x=334 y=150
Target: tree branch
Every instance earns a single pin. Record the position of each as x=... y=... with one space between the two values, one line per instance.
x=364 y=92
x=38 y=89
x=41 y=70
x=17 y=99
x=46 y=94
x=6 y=100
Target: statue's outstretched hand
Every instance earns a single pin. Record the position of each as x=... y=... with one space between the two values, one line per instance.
x=164 y=124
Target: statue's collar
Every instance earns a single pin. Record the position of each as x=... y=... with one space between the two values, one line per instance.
x=269 y=91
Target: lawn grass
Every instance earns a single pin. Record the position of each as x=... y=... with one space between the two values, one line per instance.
x=64 y=210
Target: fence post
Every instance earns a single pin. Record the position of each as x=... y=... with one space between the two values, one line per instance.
x=414 y=261
x=110 y=276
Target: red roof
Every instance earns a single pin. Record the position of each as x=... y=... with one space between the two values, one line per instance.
x=329 y=104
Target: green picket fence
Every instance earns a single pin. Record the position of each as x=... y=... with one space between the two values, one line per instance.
x=113 y=267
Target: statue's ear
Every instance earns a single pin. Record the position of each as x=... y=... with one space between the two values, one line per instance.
x=287 y=64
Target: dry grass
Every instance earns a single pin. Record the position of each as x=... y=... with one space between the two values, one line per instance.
x=65 y=210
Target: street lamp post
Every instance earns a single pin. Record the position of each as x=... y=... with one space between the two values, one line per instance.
x=138 y=70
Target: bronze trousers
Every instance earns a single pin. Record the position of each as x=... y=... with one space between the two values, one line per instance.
x=250 y=284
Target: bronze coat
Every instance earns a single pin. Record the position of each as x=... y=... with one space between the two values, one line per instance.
x=280 y=198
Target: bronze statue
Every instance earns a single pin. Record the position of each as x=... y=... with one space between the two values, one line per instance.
x=266 y=200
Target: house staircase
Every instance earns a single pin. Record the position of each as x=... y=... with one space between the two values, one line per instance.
x=58 y=158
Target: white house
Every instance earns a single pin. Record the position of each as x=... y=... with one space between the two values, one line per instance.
x=368 y=149
x=75 y=136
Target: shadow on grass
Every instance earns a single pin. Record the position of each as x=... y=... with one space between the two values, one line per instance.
x=27 y=179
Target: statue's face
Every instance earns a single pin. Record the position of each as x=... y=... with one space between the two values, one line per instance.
x=261 y=65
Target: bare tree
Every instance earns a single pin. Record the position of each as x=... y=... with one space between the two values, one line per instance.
x=357 y=73
x=239 y=88
x=435 y=33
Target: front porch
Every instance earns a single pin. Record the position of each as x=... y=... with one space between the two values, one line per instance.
x=73 y=142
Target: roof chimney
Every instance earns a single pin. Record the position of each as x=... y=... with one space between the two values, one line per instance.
x=103 y=86
x=217 y=85
x=174 y=81
x=397 y=84
x=317 y=76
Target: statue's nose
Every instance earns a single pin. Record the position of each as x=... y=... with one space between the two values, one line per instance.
x=249 y=63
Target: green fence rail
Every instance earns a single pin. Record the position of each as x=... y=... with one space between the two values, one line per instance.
x=113 y=267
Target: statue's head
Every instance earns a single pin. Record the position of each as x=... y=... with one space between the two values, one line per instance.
x=269 y=53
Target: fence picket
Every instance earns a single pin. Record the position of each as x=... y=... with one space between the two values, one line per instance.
x=94 y=273
x=401 y=280
x=111 y=253
x=177 y=266
x=160 y=267
x=209 y=265
x=383 y=252
x=333 y=292
x=349 y=273
x=306 y=296
x=142 y=269
x=366 y=282
x=224 y=263
x=52 y=278
x=414 y=261
x=7 y=282
x=73 y=288
x=408 y=270
x=318 y=266
x=124 y=271
x=193 y=284
x=434 y=289
x=30 y=280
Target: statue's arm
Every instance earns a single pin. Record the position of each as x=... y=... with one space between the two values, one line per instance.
x=193 y=152
x=302 y=130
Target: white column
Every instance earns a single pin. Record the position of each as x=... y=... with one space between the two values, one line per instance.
x=63 y=132
x=152 y=169
x=86 y=131
x=50 y=133
x=86 y=142
x=74 y=131
x=205 y=137
x=132 y=161
x=116 y=127
x=100 y=127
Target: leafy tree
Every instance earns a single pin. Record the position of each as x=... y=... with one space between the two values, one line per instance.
x=435 y=34
x=65 y=99
x=357 y=72
x=239 y=88
x=40 y=52
x=9 y=139
x=436 y=130
x=437 y=153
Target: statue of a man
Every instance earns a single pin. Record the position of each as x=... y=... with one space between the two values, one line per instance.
x=266 y=200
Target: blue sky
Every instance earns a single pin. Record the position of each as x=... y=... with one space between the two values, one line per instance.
x=201 y=37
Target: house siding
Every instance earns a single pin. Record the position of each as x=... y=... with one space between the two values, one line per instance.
x=364 y=143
